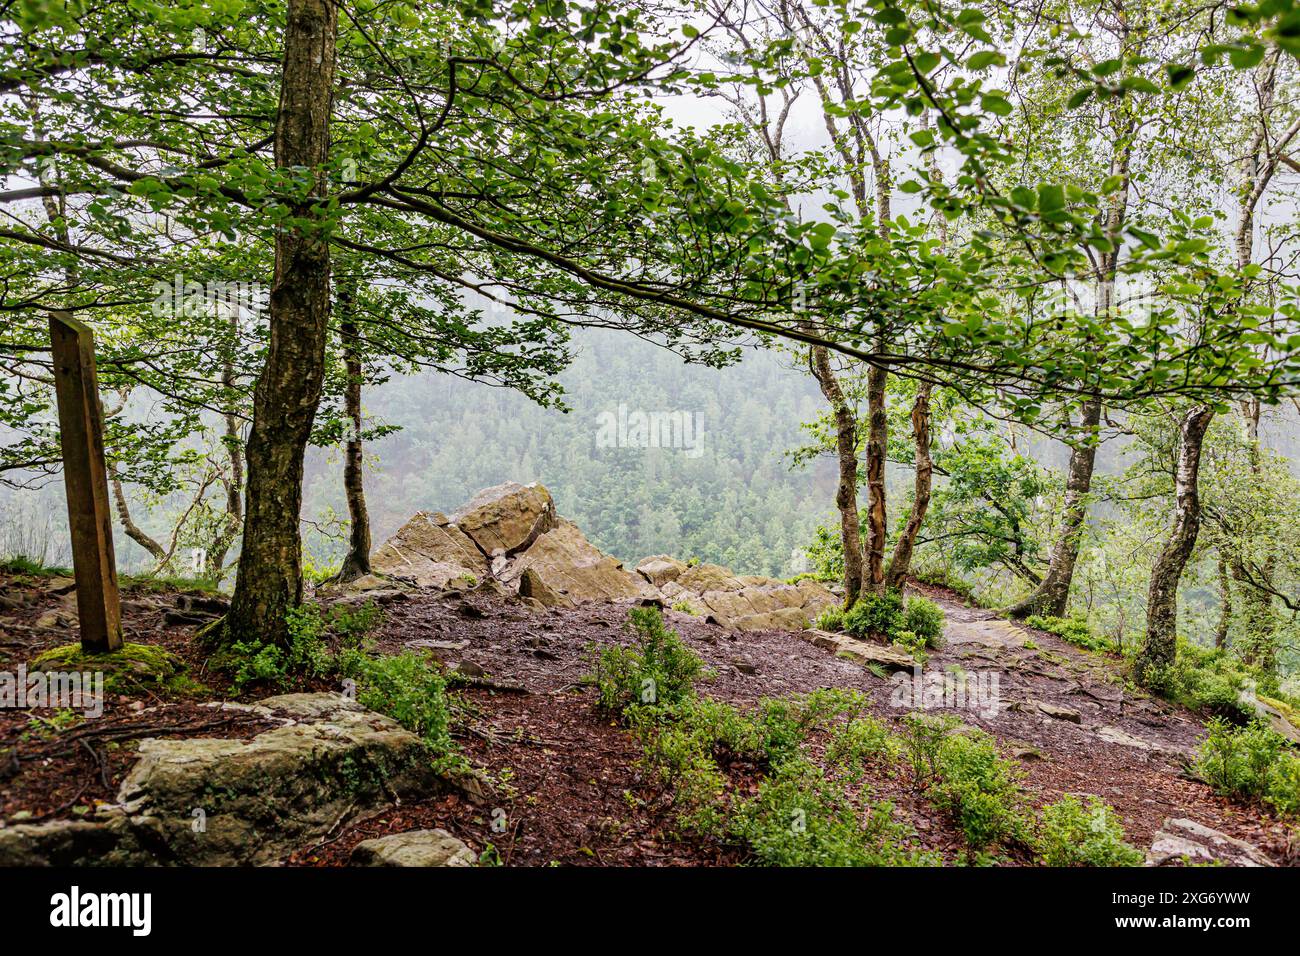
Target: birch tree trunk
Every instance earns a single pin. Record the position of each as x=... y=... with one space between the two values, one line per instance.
x=269 y=578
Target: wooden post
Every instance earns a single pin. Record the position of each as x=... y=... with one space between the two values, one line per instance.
x=81 y=433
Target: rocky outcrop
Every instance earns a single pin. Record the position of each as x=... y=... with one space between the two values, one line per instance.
x=863 y=653
x=660 y=569
x=507 y=518
x=511 y=534
x=1180 y=840
x=747 y=603
x=562 y=568
x=1280 y=716
x=222 y=802
x=414 y=848
x=430 y=551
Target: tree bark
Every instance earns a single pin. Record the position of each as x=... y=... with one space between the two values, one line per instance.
x=357 y=561
x=846 y=492
x=901 y=562
x=873 y=580
x=1053 y=593
x=269 y=578
x=1225 y=604
x=1162 y=597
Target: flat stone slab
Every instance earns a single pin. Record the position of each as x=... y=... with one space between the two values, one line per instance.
x=1180 y=838
x=414 y=848
x=860 y=652
x=992 y=632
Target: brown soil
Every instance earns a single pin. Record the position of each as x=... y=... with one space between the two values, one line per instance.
x=572 y=790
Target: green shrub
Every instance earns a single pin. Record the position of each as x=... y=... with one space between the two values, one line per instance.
x=831 y=619
x=858 y=740
x=1073 y=630
x=923 y=734
x=308 y=654
x=1251 y=764
x=914 y=644
x=1211 y=681
x=685 y=607
x=1071 y=833
x=924 y=618
x=875 y=615
x=410 y=688
x=800 y=818
x=659 y=670
x=979 y=788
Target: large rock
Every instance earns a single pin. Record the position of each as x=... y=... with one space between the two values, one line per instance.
x=1280 y=716
x=431 y=551
x=59 y=843
x=222 y=802
x=660 y=569
x=743 y=603
x=414 y=848
x=1181 y=839
x=562 y=567
x=507 y=518
x=863 y=653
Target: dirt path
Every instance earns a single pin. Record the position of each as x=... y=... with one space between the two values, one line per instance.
x=1063 y=712
x=572 y=790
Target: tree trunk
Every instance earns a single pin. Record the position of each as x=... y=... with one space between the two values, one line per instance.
x=1053 y=594
x=873 y=580
x=269 y=579
x=133 y=530
x=1162 y=597
x=233 y=483
x=357 y=561
x=901 y=563
x=846 y=493
x=1225 y=604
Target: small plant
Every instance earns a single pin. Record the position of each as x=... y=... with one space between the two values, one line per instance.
x=1072 y=833
x=831 y=619
x=1251 y=764
x=685 y=607
x=800 y=818
x=923 y=734
x=913 y=643
x=1073 y=630
x=410 y=688
x=979 y=788
x=924 y=618
x=255 y=661
x=875 y=615
x=660 y=670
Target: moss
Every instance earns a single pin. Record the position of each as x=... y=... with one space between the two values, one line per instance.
x=166 y=584
x=132 y=669
x=1286 y=710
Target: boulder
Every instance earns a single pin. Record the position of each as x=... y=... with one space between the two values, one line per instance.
x=660 y=569
x=1181 y=839
x=562 y=567
x=286 y=788
x=431 y=551
x=864 y=653
x=533 y=586
x=747 y=602
x=59 y=843
x=1280 y=716
x=708 y=577
x=414 y=848
x=507 y=518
